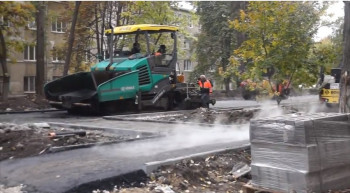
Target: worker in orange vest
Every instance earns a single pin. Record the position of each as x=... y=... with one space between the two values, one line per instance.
x=205 y=89
x=161 y=50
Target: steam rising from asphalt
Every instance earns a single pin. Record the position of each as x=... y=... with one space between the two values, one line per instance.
x=185 y=136
x=189 y=136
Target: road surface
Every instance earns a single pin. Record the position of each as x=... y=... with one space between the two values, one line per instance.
x=60 y=172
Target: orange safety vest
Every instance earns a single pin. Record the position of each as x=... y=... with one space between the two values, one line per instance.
x=207 y=84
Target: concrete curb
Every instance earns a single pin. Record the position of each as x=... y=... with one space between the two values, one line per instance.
x=149 y=167
x=71 y=147
x=32 y=111
x=114 y=130
x=169 y=122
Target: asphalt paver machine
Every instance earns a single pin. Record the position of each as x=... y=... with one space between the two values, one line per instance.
x=134 y=75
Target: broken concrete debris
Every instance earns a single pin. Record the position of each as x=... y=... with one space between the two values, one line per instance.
x=240 y=169
x=164 y=189
x=42 y=125
x=304 y=153
x=198 y=175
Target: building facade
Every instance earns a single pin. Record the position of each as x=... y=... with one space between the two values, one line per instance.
x=22 y=65
x=187 y=60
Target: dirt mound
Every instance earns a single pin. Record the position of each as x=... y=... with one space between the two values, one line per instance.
x=17 y=141
x=24 y=103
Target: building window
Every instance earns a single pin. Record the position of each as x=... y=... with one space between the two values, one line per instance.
x=57 y=56
x=177 y=67
x=32 y=25
x=190 y=23
x=186 y=44
x=4 y=22
x=211 y=69
x=55 y=77
x=177 y=19
x=29 y=84
x=29 y=53
x=57 y=25
x=187 y=65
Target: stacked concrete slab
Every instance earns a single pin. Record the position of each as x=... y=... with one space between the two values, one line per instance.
x=301 y=153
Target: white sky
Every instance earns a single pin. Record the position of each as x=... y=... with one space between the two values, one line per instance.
x=337 y=9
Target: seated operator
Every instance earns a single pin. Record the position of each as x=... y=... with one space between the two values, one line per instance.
x=135 y=48
x=161 y=50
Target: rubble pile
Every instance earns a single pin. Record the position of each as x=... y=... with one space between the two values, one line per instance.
x=214 y=173
x=302 y=153
x=24 y=103
x=204 y=115
x=25 y=140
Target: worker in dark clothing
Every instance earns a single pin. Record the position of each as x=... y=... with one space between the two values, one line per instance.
x=161 y=50
x=205 y=89
x=135 y=48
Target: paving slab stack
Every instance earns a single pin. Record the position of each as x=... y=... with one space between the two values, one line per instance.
x=301 y=152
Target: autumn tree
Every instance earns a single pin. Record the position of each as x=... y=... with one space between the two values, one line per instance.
x=95 y=17
x=217 y=40
x=152 y=12
x=84 y=45
x=89 y=40
x=279 y=39
x=159 y=12
x=324 y=54
x=337 y=38
x=344 y=99
x=71 y=38
x=14 y=16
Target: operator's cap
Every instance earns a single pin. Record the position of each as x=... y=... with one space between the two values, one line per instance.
x=202 y=76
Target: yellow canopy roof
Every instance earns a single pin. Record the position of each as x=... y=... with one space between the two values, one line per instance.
x=127 y=29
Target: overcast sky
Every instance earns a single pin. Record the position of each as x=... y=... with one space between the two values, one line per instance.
x=337 y=9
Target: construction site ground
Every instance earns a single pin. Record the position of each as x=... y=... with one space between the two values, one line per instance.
x=103 y=166
x=18 y=141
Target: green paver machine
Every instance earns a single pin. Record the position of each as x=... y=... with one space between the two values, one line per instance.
x=138 y=77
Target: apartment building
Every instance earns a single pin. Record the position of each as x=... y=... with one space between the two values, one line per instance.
x=22 y=66
x=186 y=60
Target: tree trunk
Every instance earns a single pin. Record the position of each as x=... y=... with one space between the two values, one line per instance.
x=344 y=99
x=71 y=38
x=103 y=27
x=225 y=60
x=97 y=33
x=119 y=12
x=40 y=48
x=5 y=74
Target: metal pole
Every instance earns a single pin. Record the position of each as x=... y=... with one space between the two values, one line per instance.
x=147 y=40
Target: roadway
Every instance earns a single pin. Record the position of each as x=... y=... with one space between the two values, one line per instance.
x=60 y=172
